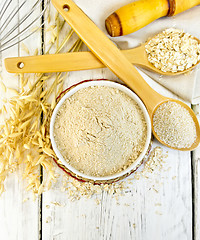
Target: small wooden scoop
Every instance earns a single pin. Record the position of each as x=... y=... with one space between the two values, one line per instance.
x=111 y=56
x=79 y=61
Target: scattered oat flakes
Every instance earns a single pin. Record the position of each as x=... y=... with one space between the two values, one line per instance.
x=158 y=213
x=56 y=203
x=157 y=204
x=49 y=219
x=154 y=162
x=25 y=200
x=98 y=201
x=126 y=204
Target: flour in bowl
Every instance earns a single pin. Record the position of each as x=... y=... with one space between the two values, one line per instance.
x=100 y=131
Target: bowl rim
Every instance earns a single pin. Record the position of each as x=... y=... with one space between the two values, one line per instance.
x=107 y=83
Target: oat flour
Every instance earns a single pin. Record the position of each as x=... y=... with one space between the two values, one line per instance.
x=100 y=130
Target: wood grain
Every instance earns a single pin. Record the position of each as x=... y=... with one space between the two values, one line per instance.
x=19 y=213
x=196 y=184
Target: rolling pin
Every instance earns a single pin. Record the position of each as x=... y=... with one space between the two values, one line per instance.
x=138 y=14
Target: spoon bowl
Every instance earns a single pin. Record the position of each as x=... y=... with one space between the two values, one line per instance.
x=138 y=57
x=192 y=114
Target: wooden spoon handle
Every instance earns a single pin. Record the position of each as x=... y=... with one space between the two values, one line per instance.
x=53 y=63
x=68 y=61
x=107 y=52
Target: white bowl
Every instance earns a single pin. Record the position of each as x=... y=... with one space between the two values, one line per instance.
x=129 y=93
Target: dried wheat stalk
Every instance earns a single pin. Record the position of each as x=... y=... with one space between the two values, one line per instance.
x=24 y=135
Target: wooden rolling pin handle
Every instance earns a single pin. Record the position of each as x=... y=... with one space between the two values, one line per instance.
x=138 y=14
x=135 y=15
x=178 y=6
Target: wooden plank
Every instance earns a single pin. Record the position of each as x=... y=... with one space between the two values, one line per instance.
x=19 y=212
x=196 y=184
x=142 y=213
x=147 y=211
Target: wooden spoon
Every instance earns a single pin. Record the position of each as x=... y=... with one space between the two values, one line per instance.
x=79 y=61
x=110 y=55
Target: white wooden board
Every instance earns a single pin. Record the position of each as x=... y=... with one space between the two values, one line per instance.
x=160 y=207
